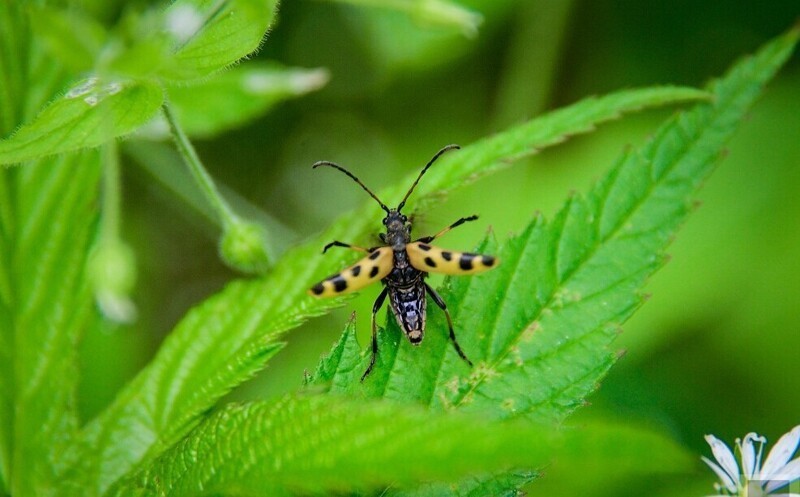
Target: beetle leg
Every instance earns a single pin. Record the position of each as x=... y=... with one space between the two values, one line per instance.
x=436 y=298
x=429 y=239
x=337 y=243
x=375 y=308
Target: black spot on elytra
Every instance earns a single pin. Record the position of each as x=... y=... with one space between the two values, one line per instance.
x=318 y=289
x=339 y=283
x=487 y=260
x=448 y=256
x=465 y=262
x=373 y=272
x=430 y=262
x=356 y=270
x=374 y=255
x=424 y=247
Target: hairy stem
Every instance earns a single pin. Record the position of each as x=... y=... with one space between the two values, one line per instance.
x=201 y=176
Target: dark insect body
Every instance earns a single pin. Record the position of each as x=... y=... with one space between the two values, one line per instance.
x=402 y=265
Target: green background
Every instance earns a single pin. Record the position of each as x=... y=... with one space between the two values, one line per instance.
x=714 y=350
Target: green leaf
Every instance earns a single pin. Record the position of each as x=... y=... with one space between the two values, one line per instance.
x=598 y=451
x=608 y=455
x=319 y=444
x=224 y=340
x=500 y=484
x=6 y=331
x=346 y=351
x=12 y=56
x=624 y=448
x=210 y=35
x=55 y=214
x=236 y=97
x=539 y=326
x=91 y=113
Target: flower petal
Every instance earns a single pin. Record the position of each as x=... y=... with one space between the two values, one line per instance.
x=780 y=454
x=721 y=474
x=787 y=474
x=748 y=453
x=725 y=458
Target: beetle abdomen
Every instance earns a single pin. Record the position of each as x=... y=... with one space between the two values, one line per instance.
x=408 y=306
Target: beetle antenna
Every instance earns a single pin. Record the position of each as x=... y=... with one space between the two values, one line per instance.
x=424 y=169
x=340 y=168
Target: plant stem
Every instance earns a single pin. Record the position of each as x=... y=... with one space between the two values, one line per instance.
x=201 y=176
x=530 y=70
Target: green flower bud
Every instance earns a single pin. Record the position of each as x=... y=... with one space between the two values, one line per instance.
x=243 y=247
x=112 y=273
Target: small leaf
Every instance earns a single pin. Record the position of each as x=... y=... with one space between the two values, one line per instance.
x=433 y=31
x=210 y=35
x=446 y=13
x=346 y=351
x=441 y=13
x=234 y=98
x=91 y=113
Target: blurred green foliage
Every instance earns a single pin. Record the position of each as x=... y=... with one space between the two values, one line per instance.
x=716 y=347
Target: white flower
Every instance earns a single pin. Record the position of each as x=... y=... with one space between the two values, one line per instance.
x=753 y=479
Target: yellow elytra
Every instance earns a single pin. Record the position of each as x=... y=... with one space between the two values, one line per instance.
x=376 y=266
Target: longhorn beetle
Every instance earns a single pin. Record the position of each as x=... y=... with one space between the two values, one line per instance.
x=402 y=265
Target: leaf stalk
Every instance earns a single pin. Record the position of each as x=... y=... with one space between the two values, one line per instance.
x=201 y=176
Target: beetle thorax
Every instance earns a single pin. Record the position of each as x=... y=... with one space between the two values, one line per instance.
x=398 y=230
